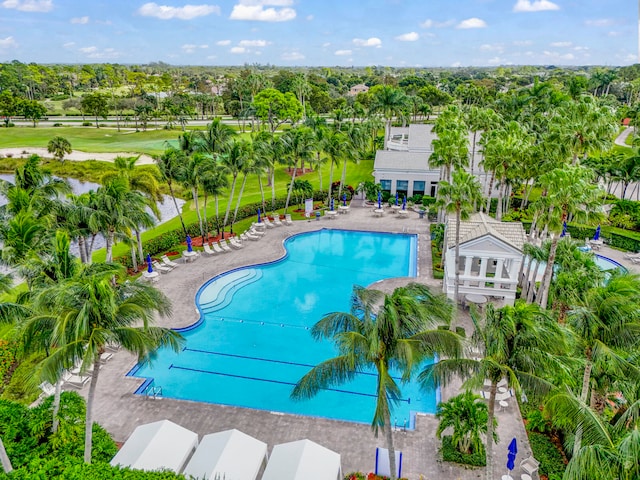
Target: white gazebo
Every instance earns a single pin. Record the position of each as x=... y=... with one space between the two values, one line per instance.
x=231 y=455
x=157 y=446
x=491 y=254
x=302 y=460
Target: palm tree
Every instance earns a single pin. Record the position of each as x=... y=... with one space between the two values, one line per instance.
x=216 y=139
x=92 y=312
x=233 y=161
x=214 y=181
x=336 y=147
x=356 y=144
x=59 y=147
x=389 y=101
x=197 y=164
x=467 y=415
x=381 y=333
x=171 y=166
x=460 y=196
x=248 y=167
x=297 y=146
x=268 y=151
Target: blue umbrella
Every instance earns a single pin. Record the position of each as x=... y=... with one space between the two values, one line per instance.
x=189 y=245
x=597 y=235
x=344 y=199
x=149 y=267
x=564 y=229
x=379 y=199
x=258 y=215
x=404 y=203
x=331 y=206
x=396 y=198
x=511 y=456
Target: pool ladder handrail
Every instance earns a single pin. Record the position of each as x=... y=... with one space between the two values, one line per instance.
x=154 y=392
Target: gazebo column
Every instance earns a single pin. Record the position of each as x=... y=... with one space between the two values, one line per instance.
x=484 y=263
x=468 y=261
x=497 y=285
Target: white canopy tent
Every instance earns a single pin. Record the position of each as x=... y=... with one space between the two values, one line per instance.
x=302 y=460
x=231 y=455
x=157 y=445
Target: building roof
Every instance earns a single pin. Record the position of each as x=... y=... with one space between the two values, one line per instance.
x=420 y=137
x=415 y=162
x=302 y=460
x=480 y=224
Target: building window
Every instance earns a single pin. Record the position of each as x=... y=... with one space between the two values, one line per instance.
x=418 y=187
x=401 y=187
x=434 y=189
x=386 y=185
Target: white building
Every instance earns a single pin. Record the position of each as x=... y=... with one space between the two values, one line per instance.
x=404 y=166
x=491 y=254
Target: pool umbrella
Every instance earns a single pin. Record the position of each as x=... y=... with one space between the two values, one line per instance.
x=396 y=199
x=258 y=215
x=149 y=267
x=597 y=234
x=344 y=199
x=331 y=205
x=379 y=199
x=404 y=203
x=564 y=229
x=511 y=456
x=189 y=245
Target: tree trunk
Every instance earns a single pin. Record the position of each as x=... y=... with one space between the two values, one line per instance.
x=456 y=284
x=273 y=188
x=82 y=249
x=318 y=166
x=499 y=204
x=226 y=214
x=134 y=260
x=4 y=458
x=293 y=176
x=491 y=416
x=343 y=179
x=473 y=151
x=548 y=274
x=194 y=193
x=492 y=178
x=175 y=203
x=264 y=207
x=110 y=239
x=140 y=251
x=531 y=290
x=56 y=406
x=206 y=223
x=586 y=380
x=88 y=432
x=388 y=433
x=235 y=212
x=330 y=183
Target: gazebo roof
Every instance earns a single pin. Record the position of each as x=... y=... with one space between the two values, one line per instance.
x=480 y=224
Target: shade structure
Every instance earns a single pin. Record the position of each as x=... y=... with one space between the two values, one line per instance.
x=564 y=229
x=189 y=244
x=511 y=455
x=596 y=236
x=156 y=446
x=382 y=462
x=149 y=266
x=379 y=199
x=302 y=460
x=231 y=455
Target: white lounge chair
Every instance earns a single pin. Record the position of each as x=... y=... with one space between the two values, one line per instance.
x=207 y=249
x=224 y=246
x=276 y=220
x=268 y=223
x=631 y=255
x=47 y=388
x=77 y=381
x=161 y=268
x=105 y=357
x=235 y=243
x=168 y=262
x=529 y=465
x=249 y=236
x=287 y=219
x=258 y=233
x=216 y=248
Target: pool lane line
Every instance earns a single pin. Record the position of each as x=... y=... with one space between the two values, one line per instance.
x=284 y=362
x=280 y=382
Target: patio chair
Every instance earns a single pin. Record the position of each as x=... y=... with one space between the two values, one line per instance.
x=105 y=357
x=224 y=246
x=631 y=255
x=207 y=249
x=267 y=222
x=217 y=248
x=168 y=262
x=276 y=220
x=47 y=389
x=235 y=243
x=249 y=236
x=161 y=268
x=255 y=232
x=77 y=381
x=529 y=465
x=287 y=219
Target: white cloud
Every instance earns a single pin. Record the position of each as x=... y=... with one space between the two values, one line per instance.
x=238 y=50
x=187 y=12
x=456 y=64
x=472 y=23
x=559 y=56
x=253 y=43
x=309 y=17
x=599 y=22
x=342 y=52
x=190 y=48
x=534 y=6
x=408 y=37
x=522 y=43
x=292 y=56
x=8 y=42
x=255 y=10
x=80 y=20
x=326 y=44
x=614 y=34
x=88 y=49
x=428 y=23
x=369 y=42
x=560 y=44
x=69 y=44
x=29 y=5
x=496 y=61
x=96 y=53
x=491 y=47
x=223 y=43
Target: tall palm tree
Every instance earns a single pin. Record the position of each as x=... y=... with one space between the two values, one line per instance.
x=356 y=143
x=336 y=147
x=382 y=333
x=248 y=167
x=216 y=139
x=214 y=181
x=298 y=147
x=233 y=161
x=197 y=164
x=389 y=101
x=268 y=151
x=459 y=197
x=171 y=165
x=92 y=312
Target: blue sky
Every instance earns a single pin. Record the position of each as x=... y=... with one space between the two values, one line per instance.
x=321 y=32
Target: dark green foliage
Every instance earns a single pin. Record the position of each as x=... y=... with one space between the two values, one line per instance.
x=536 y=421
x=451 y=454
x=550 y=458
x=7 y=360
x=437 y=241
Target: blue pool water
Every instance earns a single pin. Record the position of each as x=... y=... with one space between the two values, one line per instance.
x=252 y=343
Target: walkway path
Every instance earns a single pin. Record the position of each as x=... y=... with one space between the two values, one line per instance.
x=119 y=411
x=622 y=138
x=74 y=156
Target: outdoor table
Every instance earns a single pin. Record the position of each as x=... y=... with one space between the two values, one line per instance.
x=596 y=244
x=477 y=299
x=395 y=208
x=189 y=256
x=525 y=476
x=502 y=389
x=378 y=212
x=402 y=212
x=331 y=214
x=151 y=276
x=343 y=208
x=507 y=477
x=259 y=226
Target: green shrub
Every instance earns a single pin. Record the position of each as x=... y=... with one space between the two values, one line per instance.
x=59 y=96
x=451 y=454
x=57 y=124
x=427 y=200
x=7 y=360
x=87 y=124
x=550 y=458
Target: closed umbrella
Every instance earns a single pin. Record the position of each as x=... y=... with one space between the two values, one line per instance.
x=396 y=199
x=149 y=267
x=511 y=456
x=344 y=199
x=189 y=245
x=258 y=215
x=331 y=205
x=379 y=199
x=404 y=203
x=597 y=234
x=564 y=229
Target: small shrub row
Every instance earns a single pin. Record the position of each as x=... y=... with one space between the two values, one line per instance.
x=451 y=454
x=437 y=243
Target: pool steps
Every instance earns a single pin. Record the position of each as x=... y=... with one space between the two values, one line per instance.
x=218 y=295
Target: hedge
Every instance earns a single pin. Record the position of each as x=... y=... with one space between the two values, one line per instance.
x=550 y=458
x=451 y=454
x=437 y=243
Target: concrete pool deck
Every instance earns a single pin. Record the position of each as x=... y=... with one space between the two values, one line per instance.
x=120 y=411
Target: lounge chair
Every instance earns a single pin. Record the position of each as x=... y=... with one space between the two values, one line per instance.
x=224 y=246
x=105 y=357
x=287 y=219
x=207 y=249
x=258 y=233
x=161 y=268
x=249 y=236
x=235 y=243
x=631 y=255
x=268 y=223
x=168 y=262
x=47 y=389
x=529 y=465
x=276 y=220
x=77 y=381
x=635 y=259
x=217 y=248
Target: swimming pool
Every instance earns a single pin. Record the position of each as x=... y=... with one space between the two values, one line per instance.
x=252 y=342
